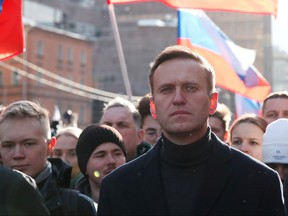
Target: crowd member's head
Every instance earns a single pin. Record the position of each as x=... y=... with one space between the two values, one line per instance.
x=182 y=105
x=100 y=150
x=246 y=134
x=220 y=122
x=275 y=106
x=25 y=137
x=151 y=127
x=275 y=147
x=122 y=115
x=65 y=148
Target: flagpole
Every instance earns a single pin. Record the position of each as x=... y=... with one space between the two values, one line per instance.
x=120 y=51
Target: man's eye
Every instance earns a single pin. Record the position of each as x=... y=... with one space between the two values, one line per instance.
x=166 y=90
x=150 y=133
x=57 y=154
x=190 y=88
x=98 y=155
x=8 y=145
x=271 y=115
x=73 y=154
x=29 y=144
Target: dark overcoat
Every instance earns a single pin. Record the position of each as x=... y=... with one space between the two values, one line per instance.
x=234 y=184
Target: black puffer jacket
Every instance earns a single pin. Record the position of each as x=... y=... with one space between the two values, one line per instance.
x=59 y=199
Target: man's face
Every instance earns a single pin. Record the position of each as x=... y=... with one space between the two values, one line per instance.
x=181 y=100
x=152 y=130
x=23 y=145
x=275 y=108
x=217 y=128
x=121 y=119
x=103 y=160
x=66 y=150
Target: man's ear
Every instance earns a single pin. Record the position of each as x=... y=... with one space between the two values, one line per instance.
x=51 y=145
x=226 y=137
x=140 y=136
x=213 y=103
x=152 y=108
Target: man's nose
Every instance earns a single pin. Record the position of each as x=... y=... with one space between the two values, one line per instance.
x=18 y=151
x=179 y=97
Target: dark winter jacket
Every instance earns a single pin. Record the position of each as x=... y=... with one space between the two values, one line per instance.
x=83 y=186
x=59 y=199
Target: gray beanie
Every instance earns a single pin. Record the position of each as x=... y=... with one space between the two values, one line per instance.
x=93 y=136
x=275 y=142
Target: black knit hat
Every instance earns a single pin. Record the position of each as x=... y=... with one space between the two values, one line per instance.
x=93 y=136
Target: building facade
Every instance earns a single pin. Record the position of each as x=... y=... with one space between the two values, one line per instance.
x=42 y=73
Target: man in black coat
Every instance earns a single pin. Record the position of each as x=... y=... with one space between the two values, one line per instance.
x=19 y=194
x=189 y=171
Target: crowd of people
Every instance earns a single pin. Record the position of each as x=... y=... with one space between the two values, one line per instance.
x=176 y=152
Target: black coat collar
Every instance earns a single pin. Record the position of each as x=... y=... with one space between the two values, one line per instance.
x=216 y=176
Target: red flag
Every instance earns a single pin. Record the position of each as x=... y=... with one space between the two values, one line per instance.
x=244 y=6
x=11 y=29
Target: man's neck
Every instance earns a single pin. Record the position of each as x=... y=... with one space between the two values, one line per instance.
x=186 y=137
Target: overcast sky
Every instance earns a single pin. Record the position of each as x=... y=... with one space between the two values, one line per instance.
x=280 y=26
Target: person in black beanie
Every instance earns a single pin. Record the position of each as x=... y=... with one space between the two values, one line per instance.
x=100 y=150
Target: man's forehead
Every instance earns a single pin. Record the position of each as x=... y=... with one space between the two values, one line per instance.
x=276 y=104
x=117 y=112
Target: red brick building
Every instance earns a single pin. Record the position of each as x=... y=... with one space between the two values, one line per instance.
x=55 y=52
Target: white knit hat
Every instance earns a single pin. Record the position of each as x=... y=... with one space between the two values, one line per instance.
x=275 y=142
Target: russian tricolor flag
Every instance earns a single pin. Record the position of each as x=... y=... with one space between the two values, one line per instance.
x=233 y=64
x=11 y=28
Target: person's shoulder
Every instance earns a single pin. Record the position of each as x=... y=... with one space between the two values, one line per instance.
x=239 y=160
x=247 y=163
x=77 y=203
x=16 y=177
x=86 y=205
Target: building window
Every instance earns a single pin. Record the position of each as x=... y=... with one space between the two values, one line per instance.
x=70 y=55
x=40 y=49
x=15 y=78
x=60 y=53
x=83 y=58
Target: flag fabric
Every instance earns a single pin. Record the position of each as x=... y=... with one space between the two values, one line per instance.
x=11 y=29
x=243 y=6
x=233 y=64
x=245 y=105
x=1 y=3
